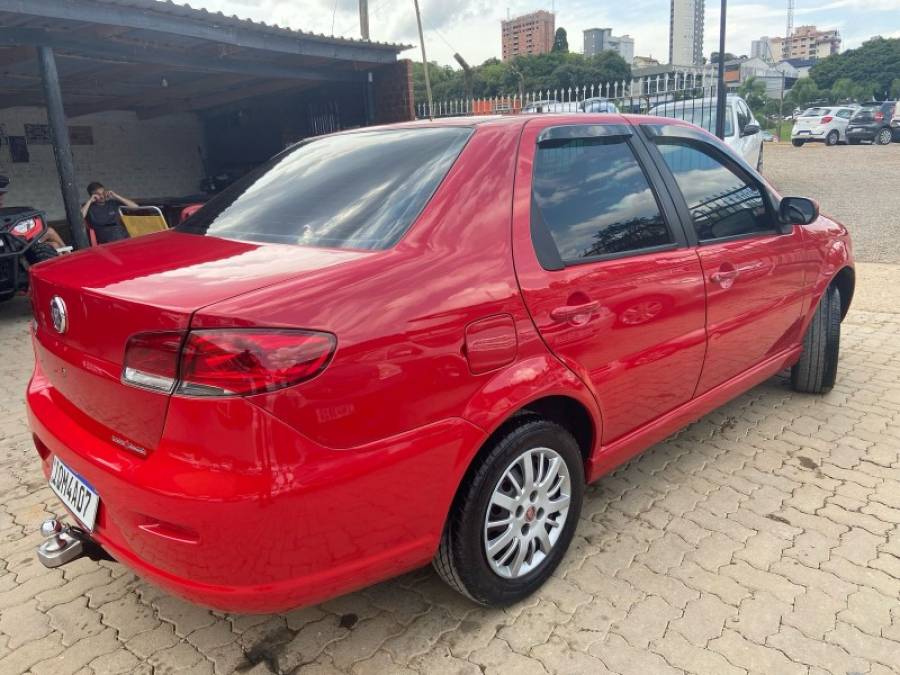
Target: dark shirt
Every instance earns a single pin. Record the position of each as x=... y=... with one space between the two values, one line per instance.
x=105 y=214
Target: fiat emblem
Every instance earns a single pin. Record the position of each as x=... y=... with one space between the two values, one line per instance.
x=59 y=316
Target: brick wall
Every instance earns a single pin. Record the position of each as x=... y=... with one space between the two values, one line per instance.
x=137 y=158
x=393 y=89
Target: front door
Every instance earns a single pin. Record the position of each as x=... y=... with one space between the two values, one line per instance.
x=754 y=272
x=605 y=270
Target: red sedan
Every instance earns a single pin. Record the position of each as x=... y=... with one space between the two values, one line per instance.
x=416 y=343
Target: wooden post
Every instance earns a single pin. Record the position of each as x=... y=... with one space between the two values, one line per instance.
x=424 y=60
x=364 y=19
x=62 y=150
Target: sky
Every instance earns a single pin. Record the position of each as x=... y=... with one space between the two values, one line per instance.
x=472 y=27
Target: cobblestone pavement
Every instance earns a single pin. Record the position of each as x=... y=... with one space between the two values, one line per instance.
x=765 y=538
x=852 y=183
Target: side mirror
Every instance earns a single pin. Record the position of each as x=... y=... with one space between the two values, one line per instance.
x=797 y=211
x=750 y=129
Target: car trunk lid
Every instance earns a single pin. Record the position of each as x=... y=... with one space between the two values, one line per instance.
x=154 y=283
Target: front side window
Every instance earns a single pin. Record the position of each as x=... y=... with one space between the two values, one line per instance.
x=845 y=113
x=700 y=112
x=359 y=190
x=594 y=198
x=722 y=203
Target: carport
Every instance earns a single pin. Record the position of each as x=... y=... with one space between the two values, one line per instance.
x=254 y=87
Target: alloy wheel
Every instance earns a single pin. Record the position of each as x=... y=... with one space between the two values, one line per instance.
x=526 y=513
x=884 y=136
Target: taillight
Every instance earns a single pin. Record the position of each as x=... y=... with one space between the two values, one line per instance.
x=151 y=360
x=827 y=119
x=251 y=361
x=29 y=228
x=225 y=362
x=879 y=116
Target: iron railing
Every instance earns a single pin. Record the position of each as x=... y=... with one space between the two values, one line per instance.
x=689 y=94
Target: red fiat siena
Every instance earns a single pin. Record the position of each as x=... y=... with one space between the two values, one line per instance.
x=415 y=343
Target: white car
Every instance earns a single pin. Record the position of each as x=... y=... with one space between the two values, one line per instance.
x=825 y=124
x=741 y=128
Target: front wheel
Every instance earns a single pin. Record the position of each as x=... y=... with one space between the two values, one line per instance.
x=797 y=143
x=816 y=371
x=514 y=515
x=832 y=138
x=884 y=137
x=39 y=252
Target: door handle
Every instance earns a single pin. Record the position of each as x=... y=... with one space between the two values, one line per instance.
x=725 y=278
x=577 y=314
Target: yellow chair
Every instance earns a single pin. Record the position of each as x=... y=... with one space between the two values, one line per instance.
x=142 y=220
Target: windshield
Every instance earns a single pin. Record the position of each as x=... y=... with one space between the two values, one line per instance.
x=360 y=190
x=701 y=113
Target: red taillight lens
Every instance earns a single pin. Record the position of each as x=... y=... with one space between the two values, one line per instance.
x=827 y=119
x=251 y=361
x=151 y=360
x=879 y=116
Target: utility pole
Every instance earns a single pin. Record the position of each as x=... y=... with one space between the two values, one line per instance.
x=467 y=75
x=721 y=93
x=364 y=19
x=425 y=59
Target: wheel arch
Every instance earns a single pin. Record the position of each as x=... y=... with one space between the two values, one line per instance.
x=845 y=282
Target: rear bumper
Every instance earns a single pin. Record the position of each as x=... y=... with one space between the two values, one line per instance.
x=282 y=524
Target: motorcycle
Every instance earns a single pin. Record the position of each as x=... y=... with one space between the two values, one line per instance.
x=21 y=230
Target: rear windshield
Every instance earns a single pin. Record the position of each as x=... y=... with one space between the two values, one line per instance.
x=361 y=190
x=815 y=112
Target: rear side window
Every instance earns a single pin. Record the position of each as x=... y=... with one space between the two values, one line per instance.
x=361 y=190
x=722 y=203
x=595 y=200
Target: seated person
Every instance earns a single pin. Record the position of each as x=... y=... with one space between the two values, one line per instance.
x=102 y=213
x=51 y=236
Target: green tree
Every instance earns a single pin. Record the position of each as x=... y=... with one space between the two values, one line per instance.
x=843 y=90
x=803 y=92
x=753 y=91
x=561 y=40
x=895 y=88
x=876 y=61
x=714 y=57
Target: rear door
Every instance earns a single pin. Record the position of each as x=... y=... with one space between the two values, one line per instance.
x=605 y=269
x=754 y=273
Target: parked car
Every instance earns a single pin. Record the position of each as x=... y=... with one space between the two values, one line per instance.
x=597 y=104
x=823 y=124
x=741 y=128
x=768 y=137
x=539 y=106
x=872 y=122
x=895 y=124
x=416 y=343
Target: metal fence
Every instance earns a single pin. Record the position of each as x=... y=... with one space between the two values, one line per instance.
x=687 y=94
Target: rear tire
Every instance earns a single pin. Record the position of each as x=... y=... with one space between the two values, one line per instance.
x=40 y=252
x=832 y=138
x=816 y=371
x=462 y=559
x=884 y=137
x=797 y=143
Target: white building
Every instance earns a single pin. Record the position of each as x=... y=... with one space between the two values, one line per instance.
x=598 y=40
x=686 y=32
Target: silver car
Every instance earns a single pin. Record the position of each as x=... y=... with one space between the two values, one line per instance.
x=823 y=124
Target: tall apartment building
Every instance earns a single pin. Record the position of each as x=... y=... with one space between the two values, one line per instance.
x=807 y=42
x=762 y=49
x=686 y=32
x=598 y=40
x=529 y=34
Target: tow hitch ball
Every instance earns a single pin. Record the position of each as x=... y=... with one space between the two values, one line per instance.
x=64 y=543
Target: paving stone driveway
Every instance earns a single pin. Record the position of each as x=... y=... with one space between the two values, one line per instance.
x=764 y=538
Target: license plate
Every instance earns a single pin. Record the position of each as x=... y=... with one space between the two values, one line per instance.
x=75 y=493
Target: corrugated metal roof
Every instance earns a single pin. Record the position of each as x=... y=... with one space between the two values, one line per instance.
x=184 y=10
